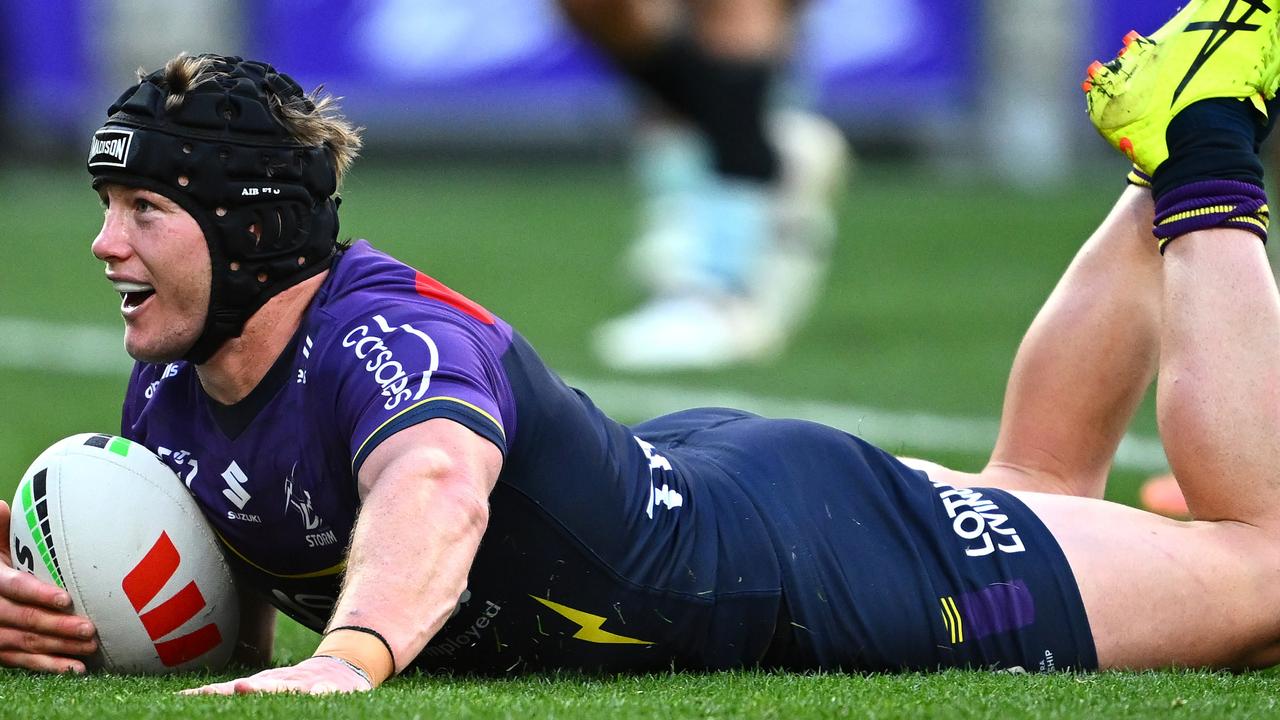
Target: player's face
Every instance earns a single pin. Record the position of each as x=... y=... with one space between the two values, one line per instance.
x=158 y=262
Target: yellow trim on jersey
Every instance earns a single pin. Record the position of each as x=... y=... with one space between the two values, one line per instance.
x=589 y=625
x=334 y=570
x=951 y=618
x=420 y=403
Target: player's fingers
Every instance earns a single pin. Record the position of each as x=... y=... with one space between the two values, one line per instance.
x=41 y=663
x=38 y=644
x=27 y=590
x=4 y=532
x=31 y=618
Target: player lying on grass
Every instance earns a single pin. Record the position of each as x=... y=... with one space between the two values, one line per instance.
x=388 y=462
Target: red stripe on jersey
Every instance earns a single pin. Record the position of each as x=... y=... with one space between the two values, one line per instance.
x=436 y=290
x=144 y=581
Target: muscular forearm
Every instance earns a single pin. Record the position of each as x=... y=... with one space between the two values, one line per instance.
x=412 y=548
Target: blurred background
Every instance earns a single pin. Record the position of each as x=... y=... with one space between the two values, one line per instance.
x=979 y=84
x=497 y=161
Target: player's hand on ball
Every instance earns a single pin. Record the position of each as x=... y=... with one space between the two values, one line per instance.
x=313 y=676
x=37 y=631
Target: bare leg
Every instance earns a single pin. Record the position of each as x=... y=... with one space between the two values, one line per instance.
x=743 y=28
x=1219 y=397
x=727 y=28
x=1161 y=592
x=1085 y=363
x=624 y=28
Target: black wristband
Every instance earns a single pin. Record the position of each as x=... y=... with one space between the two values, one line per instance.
x=375 y=633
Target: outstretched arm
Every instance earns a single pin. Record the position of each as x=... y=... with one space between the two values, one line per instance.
x=425 y=497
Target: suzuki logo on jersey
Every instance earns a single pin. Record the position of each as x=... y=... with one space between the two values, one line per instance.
x=237 y=494
x=974 y=518
x=144 y=582
x=672 y=499
x=388 y=371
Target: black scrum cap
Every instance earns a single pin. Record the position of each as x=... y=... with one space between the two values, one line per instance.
x=264 y=201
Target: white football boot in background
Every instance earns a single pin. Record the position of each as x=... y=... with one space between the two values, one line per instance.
x=732 y=267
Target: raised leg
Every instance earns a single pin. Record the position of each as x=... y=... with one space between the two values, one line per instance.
x=1085 y=362
x=1160 y=592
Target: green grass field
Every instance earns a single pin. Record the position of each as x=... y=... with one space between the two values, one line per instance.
x=932 y=287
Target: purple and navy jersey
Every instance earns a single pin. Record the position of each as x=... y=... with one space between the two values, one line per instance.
x=709 y=538
x=604 y=550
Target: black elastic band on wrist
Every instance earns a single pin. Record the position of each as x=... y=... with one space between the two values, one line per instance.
x=375 y=633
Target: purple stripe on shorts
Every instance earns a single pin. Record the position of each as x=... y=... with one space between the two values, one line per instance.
x=997 y=608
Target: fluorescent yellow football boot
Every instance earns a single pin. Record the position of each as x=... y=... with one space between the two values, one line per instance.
x=1211 y=49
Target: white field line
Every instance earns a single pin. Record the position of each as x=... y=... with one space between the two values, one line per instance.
x=96 y=350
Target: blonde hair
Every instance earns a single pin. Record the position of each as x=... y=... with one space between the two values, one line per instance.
x=314 y=119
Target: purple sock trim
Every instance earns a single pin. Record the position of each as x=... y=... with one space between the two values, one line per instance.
x=1139 y=178
x=1211 y=204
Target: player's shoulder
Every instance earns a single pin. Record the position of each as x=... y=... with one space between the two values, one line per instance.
x=366 y=282
x=365 y=279
x=378 y=315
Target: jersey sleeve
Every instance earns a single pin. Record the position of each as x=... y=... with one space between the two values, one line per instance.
x=404 y=366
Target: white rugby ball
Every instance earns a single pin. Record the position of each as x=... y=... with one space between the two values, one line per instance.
x=105 y=519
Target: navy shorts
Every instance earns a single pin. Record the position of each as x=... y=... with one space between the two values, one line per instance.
x=886 y=570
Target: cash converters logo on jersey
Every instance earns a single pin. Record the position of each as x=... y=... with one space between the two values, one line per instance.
x=143 y=584
x=110 y=148
x=370 y=344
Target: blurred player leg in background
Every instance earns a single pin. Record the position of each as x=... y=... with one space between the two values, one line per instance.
x=738 y=224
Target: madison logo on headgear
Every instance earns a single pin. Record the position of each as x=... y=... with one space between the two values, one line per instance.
x=110 y=148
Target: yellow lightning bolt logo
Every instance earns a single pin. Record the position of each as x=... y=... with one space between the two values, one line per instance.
x=589 y=625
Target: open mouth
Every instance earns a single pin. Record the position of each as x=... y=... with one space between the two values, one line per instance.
x=133 y=295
